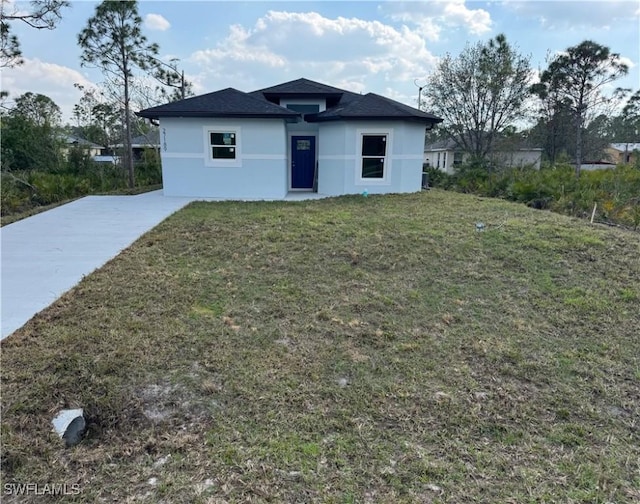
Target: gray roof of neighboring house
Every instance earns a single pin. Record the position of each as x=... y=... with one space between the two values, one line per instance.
x=225 y=103
x=450 y=144
x=628 y=147
x=150 y=139
x=341 y=105
x=83 y=142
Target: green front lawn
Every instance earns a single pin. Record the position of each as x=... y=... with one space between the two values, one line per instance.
x=344 y=350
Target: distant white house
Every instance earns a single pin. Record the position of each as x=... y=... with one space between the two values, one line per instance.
x=446 y=156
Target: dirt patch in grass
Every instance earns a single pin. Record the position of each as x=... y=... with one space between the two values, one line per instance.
x=355 y=349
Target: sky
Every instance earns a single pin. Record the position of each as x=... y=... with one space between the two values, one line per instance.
x=385 y=47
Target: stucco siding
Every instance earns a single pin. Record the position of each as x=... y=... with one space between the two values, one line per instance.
x=259 y=170
x=340 y=160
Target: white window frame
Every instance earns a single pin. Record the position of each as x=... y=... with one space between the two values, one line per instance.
x=385 y=180
x=209 y=160
x=321 y=102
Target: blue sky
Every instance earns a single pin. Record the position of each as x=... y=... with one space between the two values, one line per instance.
x=363 y=46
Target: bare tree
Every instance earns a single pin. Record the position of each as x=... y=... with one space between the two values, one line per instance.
x=479 y=93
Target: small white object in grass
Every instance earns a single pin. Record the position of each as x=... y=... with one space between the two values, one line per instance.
x=343 y=382
x=152 y=481
x=70 y=425
x=162 y=461
x=480 y=226
x=434 y=488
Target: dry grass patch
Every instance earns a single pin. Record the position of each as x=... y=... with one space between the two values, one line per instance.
x=355 y=349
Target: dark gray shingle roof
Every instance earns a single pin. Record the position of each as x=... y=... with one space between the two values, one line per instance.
x=342 y=105
x=225 y=103
x=372 y=106
x=303 y=88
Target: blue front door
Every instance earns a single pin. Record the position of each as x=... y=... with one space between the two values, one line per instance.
x=303 y=161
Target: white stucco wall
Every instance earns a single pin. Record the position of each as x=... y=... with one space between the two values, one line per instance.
x=440 y=158
x=259 y=170
x=514 y=159
x=520 y=158
x=340 y=161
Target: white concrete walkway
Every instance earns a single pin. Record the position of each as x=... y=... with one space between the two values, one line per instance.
x=47 y=254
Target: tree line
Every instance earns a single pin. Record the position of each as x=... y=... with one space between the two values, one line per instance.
x=485 y=91
x=483 y=94
x=135 y=77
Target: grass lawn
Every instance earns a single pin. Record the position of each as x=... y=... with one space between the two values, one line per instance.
x=14 y=217
x=345 y=350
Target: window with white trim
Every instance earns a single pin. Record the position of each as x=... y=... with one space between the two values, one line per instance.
x=223 y=145
x=374 y=156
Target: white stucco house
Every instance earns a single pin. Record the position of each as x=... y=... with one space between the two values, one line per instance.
x=297 y=136
x=446 y=155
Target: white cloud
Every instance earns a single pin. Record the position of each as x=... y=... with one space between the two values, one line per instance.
x=433 y=16
x=627 y=61
x=347 y=52
x=50 y=79
x=477 y=21
x=156 y=22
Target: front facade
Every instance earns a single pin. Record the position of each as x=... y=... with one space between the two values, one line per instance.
x=297 y=136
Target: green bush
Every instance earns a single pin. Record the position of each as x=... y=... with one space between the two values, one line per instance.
x=615 y=191
x=437 y=177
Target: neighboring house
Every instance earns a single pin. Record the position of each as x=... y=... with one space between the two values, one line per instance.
x=446 y=156
x=623 y=153
x=140 y=143
x=76 y=142
x=97 y=152
x=614 y=154
x=297 y=136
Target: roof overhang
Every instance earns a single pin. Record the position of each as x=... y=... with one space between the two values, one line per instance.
x=203 y=114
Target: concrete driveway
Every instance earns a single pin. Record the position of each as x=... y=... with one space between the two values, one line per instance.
x=45 y=255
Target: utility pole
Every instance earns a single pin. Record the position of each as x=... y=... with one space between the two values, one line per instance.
x=420 y=88
x=183 y=86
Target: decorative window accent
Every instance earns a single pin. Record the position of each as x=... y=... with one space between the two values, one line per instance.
x=223 y=144
x=303 y=145
x=304 y=108
x=374 y=154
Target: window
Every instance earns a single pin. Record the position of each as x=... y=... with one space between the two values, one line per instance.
x=303 y=145
x=438 y=163
x=304 y=109
x=223 y=145
x=374 y=153
x=457 y=158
